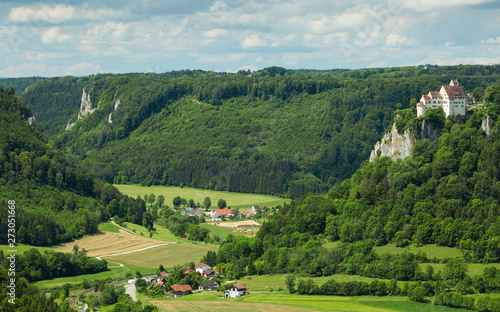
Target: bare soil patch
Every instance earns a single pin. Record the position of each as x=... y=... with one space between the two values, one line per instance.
x=238 y=224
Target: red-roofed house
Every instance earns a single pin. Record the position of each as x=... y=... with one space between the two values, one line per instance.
x=247 y=214
x=159 y=283
x=451 y=98
x=202 y=267
x=222 y=211
x=179 y=290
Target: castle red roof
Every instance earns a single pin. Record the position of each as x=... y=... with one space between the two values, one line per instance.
x=435 y=94
x=421 y=104
x=454 y=91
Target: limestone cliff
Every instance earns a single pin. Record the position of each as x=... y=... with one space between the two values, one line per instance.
x=487 y=124
x=398 y=146
x=85 y=109
x=394 y=145
x=110 y=118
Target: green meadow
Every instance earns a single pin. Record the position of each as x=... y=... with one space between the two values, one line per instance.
x=209 y=301
x=432 y=250
x=235 y=200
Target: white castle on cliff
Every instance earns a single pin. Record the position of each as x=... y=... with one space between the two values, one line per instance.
x=451 y=98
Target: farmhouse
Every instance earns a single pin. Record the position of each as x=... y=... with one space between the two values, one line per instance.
x=236 y=291
x=247 y=214
x=177 y=291
x=209 y=285
x=202 y=267
x=451 y=98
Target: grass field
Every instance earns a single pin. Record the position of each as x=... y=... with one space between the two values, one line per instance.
x=260 y=282
x=105 y=243
x=198 y=195
x=221 y=231
x=168 y=255
x=431 y=250
x=21 y=248
x=473 y=268
x=108 y=227
x=161 y=232
x=286 y=302
x=116 y=273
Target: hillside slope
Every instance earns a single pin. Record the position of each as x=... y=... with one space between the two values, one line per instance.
x=56 y=200
x=286 y=135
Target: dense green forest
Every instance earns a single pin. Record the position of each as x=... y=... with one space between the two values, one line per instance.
x=56 y=199
x=276 y=131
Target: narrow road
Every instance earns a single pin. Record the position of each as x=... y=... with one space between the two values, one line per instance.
x=130 y=290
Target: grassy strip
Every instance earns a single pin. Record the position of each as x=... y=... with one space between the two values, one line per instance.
x=198 y=195
x=208 y=301
x=115 y=273
x=432 y=250
x=168 y=255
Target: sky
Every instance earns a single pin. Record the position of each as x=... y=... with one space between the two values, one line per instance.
x=68 y=37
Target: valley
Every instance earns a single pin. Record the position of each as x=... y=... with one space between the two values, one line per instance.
x=263 y=185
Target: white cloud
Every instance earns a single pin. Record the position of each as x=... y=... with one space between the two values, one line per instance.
x=215 y=33
x=449 y=44
x=53 y=34
x=491 y=40
x=43 y=13
x=83 y=69
x=430 y=5
x=395 y=40
x=252 y=41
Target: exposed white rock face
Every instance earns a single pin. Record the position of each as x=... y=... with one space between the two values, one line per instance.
x=486 y=125
x=31 y=120
x=70 y=125
x=110 y=119
x=117 y=103
x=394 y=145
x=85 y=109
x=85 y=105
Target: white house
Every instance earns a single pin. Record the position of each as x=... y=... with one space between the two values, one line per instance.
x=202 y=267
x=237 y=291
x=451 y=98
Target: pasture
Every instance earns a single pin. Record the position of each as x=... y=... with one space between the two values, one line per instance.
x=234 y=200
x=286 y=302
x=273 y=281
x=432 y=250
x=167 y=255
x=105 y=243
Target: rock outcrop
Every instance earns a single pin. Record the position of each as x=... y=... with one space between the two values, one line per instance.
x=487 y=124
x=110 y=118
x=85 y=109
x=394 y=145
x=398 y=146
x=31 y=120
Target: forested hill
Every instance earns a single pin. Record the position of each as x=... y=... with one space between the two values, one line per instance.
x=447 y=194
x=277 y=132
x=56 y=200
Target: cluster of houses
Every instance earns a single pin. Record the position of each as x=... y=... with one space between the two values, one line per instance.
x=218 y=214
x=176 y=291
